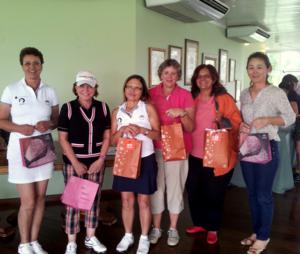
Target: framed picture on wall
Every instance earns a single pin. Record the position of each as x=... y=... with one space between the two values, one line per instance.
x=191 y=59
x=175 y=52
x=231 y=72
x=156 y=57
x=223 y=62
x=210 y=59
x=238 y=88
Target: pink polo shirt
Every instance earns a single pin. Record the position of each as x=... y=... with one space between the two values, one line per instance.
x=205 y=116
x=179 y=98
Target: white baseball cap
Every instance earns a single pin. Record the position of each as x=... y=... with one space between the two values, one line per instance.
x=85 y=77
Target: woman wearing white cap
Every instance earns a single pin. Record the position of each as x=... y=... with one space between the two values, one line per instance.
x=28 y=108
x=84 y=133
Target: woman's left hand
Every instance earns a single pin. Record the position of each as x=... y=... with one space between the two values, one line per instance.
x=218 y=116
x=96 y=166
x=260 y=122
x=43 y=126
x=135 y=129
x=175 y=112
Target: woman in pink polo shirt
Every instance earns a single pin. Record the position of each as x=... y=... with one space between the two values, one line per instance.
x=206 y=186
x=173 y=104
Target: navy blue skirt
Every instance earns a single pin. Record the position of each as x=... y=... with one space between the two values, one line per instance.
x=144 y=184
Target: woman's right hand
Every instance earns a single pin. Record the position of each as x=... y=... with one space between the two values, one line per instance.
x=130 y=130
x=80 y=168
x=26 y=129
x=244 y=128
x=244 y=131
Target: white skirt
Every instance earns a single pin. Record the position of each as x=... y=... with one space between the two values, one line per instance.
x=19 y=174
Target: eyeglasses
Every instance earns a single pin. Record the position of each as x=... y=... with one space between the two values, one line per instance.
x=132 y=88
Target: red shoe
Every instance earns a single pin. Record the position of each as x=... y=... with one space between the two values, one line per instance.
x=212 y=237
x=195 y=229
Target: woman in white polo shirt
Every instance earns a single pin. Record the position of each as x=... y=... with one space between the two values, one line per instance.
x=136 y=118
x=28 y=107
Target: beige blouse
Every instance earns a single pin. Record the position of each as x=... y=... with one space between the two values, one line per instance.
x=270 y=102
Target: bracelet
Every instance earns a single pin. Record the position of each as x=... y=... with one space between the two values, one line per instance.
x=102 y=157
x=184 y=114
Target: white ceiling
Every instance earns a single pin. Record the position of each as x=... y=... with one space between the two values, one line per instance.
x=281 y=18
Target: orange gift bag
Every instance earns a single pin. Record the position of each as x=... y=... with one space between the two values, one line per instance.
x=216 y=149
x=128 y=158
x=173 y=147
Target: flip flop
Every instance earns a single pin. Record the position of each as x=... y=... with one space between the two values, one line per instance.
x=249 y=240
x=254 y=250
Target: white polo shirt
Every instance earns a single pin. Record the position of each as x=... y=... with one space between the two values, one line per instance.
x=27 y=107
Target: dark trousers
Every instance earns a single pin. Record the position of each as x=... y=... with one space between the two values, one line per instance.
x=206 y=194
x=259 y=180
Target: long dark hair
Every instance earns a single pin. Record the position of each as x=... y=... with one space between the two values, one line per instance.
x=217 y=87
x=288 y=82
x=145 y=94
x=262 y=56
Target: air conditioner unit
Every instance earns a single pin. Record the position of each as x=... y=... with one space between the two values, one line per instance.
x=247 y=33
x=189 y=10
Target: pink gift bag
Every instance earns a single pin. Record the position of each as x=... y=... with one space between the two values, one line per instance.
x=79 y=193
x=255 y=148
x=37 y=150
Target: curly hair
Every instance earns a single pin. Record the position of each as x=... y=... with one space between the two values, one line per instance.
x=217 y=87
x=170 y=63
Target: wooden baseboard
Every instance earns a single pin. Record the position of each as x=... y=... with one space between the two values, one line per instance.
x=12 y=203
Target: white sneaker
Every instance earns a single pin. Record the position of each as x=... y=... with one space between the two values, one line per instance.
x=71 y=248
x=25 y=248
x=125 y=243
x=154 y=235
x=94 y=243
x=37 y=248
x=173 y=237
x=144 y=245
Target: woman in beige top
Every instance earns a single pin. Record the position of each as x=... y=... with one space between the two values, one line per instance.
x=264 y=108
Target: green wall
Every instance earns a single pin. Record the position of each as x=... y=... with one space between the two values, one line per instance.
x=108 y=37
x=97 y=35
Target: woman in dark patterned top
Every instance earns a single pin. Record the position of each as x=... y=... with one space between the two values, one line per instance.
x=84 y=133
